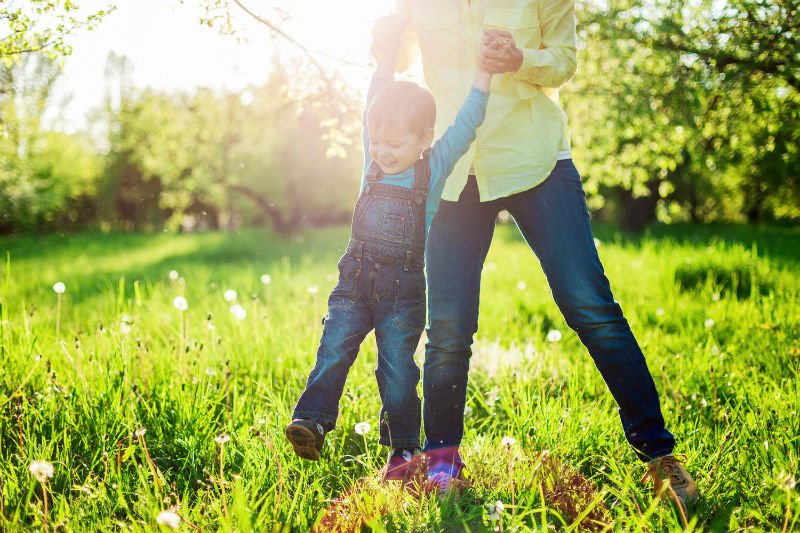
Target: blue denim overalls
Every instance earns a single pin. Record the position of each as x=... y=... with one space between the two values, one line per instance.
x=381 y=286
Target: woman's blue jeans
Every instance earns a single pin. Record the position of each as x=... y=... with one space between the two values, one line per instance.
x=555 y=223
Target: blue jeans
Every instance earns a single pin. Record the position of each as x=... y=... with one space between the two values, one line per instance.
x=371 y=294
x=554 y=221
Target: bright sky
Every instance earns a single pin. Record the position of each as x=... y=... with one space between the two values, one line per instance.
x=170 y=49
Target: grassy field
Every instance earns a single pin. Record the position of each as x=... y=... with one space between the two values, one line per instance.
x=141 y=407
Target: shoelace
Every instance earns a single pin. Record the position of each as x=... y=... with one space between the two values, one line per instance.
x=671 y=467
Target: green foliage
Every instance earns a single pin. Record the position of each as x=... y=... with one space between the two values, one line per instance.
x=47 y=179
x=700 y=115
x=41 y=26
x=267 y=155
x=126 y=359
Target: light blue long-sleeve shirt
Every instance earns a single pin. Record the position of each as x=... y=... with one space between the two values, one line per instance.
x=445 y=152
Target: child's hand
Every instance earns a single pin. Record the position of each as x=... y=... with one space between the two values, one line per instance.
x=497 y=39
x=386 y=34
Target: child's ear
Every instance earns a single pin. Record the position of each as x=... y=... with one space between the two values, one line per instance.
x=427 y=139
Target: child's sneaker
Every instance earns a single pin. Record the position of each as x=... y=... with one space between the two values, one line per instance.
x=681 y=490
x=306 y=437
x=445 y=471
x=401 y=465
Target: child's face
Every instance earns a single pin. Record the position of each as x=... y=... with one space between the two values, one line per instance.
x=396 y=150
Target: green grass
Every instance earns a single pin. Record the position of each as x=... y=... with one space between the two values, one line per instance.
x=729 y=390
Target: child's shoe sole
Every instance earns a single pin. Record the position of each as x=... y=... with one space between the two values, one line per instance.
x=303 y=441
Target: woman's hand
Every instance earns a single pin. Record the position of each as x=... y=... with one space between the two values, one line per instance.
x=498 y=52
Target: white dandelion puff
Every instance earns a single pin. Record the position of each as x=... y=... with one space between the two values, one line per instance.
x=238 y=312
x=266 y=279
x=210 y=371
x=703 y=403
x=362 y=428
x=169 y=519
x=660 y=312
x=313 y=289
x=173 y=275
x=59 y=287
x=230 y=295
x=709 y=323
x=222 y=438
x=41 y=470
x=124 y=328
x=180 y=303
x=139 y=432
x=521 y=285
x=494 y=510
x=508 y=441
x=554 y=335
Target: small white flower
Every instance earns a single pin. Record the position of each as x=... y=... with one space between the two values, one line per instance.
x=362 y=428
x=210 y=371
x=660 y=312
x=210 y=326
x=703 y=403
x=59 y=287
x=230 y=295
x=709 y=322
x=124 y=328
x=238 y=312
x=313 y=289
x=169 y=519
x=266 y=279
x=222 y=438
x=715 y=297
x=521 y=285
x=494 y=510
x=508 y=441
x=180 y=303
x=41 y=470
x=467 y=411
x=173 y=275
x=554 y=335
x=139 y=432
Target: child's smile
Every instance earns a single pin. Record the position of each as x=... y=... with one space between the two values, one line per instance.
x=395 y=151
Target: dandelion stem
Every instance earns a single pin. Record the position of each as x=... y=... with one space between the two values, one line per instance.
x=222 y=477
x=58 y=318
x=44 y=495
x=788 y=511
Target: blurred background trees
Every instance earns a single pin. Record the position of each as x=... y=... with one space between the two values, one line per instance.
x=681 y=110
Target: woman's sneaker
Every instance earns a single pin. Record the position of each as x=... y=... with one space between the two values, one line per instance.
x=681 y=489
x=401 y=465
x=306 y=437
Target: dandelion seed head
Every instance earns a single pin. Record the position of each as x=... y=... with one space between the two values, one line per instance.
x=709 y=322
x=210 y=326
x=362 y=428
x=210 y=371
x=703 y=403
x=230 y=295
x=660 y=312
x=222 y=438
x=59 y=287
x=180 y=303
x=41 y=470
x=508 y=441
x=124 y=328
x=173 y=275
x=715 y=297
x=139 y=432
x=521 y=285
x=313 y=289
x=554 y=335
x=169 y=519
x=266 y=279
x=238 y=312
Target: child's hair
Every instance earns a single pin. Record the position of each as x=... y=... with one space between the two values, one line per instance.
x=402 y=104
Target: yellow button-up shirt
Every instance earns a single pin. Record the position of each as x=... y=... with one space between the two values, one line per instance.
x=517 y=146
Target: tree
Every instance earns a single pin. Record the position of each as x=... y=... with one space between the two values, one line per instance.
x=41 y=26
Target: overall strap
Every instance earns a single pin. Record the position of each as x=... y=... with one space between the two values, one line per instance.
x=420 y=188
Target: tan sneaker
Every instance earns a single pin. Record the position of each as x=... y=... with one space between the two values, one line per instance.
x=669 y=476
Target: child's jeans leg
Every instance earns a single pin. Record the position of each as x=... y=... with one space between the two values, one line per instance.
x=345 y=327
x=400 y=321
